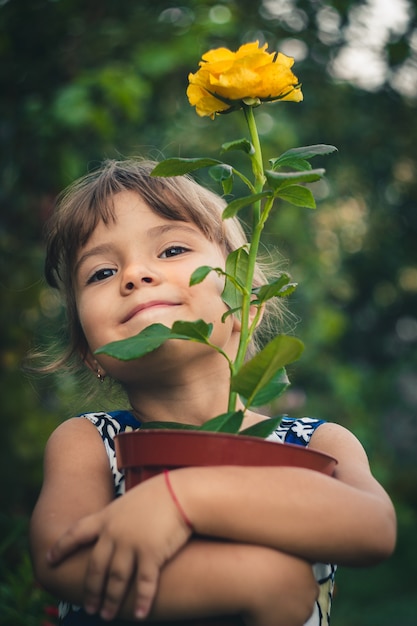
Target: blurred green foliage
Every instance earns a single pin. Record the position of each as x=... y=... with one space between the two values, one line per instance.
x=84 y=81
x=22 y=601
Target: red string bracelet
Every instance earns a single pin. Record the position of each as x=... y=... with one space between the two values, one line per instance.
x=176 y=501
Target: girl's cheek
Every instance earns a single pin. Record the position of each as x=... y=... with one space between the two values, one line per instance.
x=217 y=281
x=86 y=323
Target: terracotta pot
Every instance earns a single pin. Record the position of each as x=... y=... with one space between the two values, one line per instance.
x=142 y=454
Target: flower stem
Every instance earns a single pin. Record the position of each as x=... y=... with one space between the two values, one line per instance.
x=257 y=162
x=257 y=226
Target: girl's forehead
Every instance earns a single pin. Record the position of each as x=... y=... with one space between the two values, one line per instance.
x=131 y=204
x=128 y=210
x=132 y=216
x=129 y=200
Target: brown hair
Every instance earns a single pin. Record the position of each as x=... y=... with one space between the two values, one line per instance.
x=89 y=200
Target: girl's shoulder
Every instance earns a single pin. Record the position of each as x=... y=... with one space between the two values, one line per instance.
x=109 y=425
x=296 y=430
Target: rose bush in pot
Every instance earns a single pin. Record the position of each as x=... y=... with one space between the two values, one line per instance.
x=233 y=81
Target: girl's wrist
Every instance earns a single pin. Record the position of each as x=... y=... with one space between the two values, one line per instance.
x=200 y=493
x=176 y=501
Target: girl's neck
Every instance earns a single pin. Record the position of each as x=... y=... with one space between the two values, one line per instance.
x=188 y=404
x=191 y=388
x=185 y=401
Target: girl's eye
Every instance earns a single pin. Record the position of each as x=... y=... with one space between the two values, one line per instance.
x=173 y=251
x=101 y=275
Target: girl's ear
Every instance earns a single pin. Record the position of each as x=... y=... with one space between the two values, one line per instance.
x=252 y=313
x=94 y=366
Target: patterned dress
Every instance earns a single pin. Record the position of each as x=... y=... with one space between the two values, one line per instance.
x=291 y=430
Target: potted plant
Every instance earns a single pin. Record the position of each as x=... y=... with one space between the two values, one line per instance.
x=228 y=81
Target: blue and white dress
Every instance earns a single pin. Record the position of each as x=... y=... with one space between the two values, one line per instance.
x=297 y=431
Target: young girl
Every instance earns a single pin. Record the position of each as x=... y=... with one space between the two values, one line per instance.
x=254 y=543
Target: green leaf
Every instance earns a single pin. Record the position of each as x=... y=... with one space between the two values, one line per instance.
x=262 y=429
x=200 y=274
x=279 y=180
x=274 y=389
x=294 y=155
x=148 y=340
x=225 y=423
x=236 y=271
x=195 y=331
x=294 y=163
x=257 y=373
x=223 y=174
x=266 y=292
x=239 y=144
x=153 y=336
x=287 y=290
x=298 y=195
x=179 y=166
x=227 y=186
x=236 y=205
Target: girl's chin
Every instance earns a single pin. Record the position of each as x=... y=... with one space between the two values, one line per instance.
x=173 y=356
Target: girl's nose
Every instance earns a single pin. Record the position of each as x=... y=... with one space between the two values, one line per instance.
x=130 y=285
x=135 y=277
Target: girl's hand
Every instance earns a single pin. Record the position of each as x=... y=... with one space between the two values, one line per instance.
x=134 y=536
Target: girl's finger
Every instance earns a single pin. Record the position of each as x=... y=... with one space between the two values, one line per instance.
x=83 y=533
x=119 y=576
x=96 y=575
x=146 y=587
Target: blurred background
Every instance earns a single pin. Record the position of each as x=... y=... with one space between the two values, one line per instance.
x=81 y=81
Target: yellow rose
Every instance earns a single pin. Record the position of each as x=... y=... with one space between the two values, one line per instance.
x=227 y=78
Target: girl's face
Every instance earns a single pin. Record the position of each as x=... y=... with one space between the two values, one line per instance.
x=135 y=272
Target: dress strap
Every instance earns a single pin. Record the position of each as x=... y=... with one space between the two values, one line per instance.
x=296 y=430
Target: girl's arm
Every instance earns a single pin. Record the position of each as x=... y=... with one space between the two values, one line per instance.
x=346 y=519
x=202 y=578
x=78 y=497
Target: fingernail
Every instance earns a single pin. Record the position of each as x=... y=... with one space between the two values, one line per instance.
x=106 y=614
x=140 y=612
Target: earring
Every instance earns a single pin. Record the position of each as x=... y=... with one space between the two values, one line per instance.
x=99 y=375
